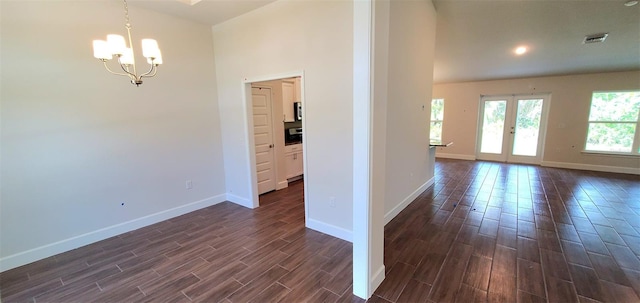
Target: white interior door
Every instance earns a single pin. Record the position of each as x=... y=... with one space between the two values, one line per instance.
x=263 y=137
x=511 y=128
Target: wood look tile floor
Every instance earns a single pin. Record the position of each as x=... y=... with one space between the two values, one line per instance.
x=492 y=232
x=484 y=232
x=223 y=253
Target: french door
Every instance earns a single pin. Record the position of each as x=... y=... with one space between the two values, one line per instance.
x=512 y=128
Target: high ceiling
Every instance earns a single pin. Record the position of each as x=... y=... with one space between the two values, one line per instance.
x=476 y=38
x=205 y=11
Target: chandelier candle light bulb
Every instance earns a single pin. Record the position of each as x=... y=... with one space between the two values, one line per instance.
x=116 y=45
x=101 y=50
x=155 y=60
x=127 y=57
x=150 y=48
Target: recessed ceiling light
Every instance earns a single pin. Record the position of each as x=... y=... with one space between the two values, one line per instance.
x=520 y=50
x=631 y=3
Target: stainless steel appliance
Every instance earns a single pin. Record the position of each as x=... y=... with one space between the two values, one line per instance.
x=297 y=108
x=293 y=135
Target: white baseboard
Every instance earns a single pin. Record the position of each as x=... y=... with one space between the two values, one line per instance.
x=603 y=168
x=45 y=251
x=240 y=201
x=377 y=279
x=282 y=184
x=398 y=208
x=455 y=156
x=329 y=229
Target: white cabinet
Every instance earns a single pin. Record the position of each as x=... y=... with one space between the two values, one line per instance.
x=298 y=90
x=291 y=92
x=293 y=160
x=288 y=93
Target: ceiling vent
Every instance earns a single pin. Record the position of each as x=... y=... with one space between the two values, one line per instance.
x=595 y=38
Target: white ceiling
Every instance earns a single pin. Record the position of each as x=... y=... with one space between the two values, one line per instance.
x=205 y=11
x=476 y=38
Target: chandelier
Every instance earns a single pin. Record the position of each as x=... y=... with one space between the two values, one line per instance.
x=115 y=45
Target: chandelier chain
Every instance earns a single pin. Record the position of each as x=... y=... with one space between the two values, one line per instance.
x=126 y=15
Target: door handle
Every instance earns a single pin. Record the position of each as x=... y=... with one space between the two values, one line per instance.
x=270 y=145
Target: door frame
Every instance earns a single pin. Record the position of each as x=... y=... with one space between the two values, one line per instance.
x=249 y=134
x=512 y=98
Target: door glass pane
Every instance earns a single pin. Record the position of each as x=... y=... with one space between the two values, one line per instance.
x=525 y=141
x=493 y=126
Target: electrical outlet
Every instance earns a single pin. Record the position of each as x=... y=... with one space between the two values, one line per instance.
x=189 y=184
x=332 y=202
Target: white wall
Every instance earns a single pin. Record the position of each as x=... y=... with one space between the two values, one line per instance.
x=286 y=36
x=77 y=141
x=412 y=32
x=567 y=122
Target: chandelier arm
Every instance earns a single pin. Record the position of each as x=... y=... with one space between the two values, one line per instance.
x=128 y=73
x=152 y=72
x=108 y=69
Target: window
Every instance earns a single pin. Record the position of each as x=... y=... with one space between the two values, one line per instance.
x=613 y=121
x=437 y=116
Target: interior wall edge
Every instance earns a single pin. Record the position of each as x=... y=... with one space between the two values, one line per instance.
x=45 y=251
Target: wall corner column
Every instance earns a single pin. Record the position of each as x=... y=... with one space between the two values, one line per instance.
x=368 y=131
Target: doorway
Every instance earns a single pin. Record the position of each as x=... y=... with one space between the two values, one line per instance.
x=260 y=183
x=512 y=128
x=263 y=139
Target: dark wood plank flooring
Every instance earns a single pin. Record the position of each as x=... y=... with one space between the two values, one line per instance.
x=492 y=232
x=223 y=253
x=484 y=232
